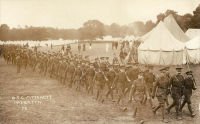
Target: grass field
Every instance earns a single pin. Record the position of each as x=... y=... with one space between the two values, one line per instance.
x=68 y=106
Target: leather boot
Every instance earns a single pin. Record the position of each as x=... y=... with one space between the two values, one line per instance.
x=190 y=109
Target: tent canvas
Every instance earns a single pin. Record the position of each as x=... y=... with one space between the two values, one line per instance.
x=146 y=36
x=192 y=33
x=175 y=29
x=161 y=48
x=129 y=38
x=193 y=50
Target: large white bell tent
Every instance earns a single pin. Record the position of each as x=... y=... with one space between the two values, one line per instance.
x=161 y=48
x=192 y=33
x=193 y=50
x=175 y=29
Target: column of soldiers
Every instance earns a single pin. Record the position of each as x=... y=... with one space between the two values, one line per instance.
x=131 y=83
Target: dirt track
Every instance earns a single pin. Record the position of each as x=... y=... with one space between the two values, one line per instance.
x=66 y=106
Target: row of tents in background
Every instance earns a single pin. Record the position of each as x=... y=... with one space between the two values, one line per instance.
x=40 y=43
x=166 y=44
x=63 y=42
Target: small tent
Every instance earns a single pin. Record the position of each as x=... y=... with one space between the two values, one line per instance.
x=193 y=50
x=161 y=48
x=175 y=29
x=192 y=33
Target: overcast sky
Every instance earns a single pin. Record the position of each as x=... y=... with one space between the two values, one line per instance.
x=73 y=13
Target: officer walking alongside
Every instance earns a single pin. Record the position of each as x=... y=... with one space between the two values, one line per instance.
x=189 y=85
x=160 y=89
x=176 y=83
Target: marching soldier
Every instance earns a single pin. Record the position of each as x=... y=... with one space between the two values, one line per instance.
x=111 y=74
x=19 y=61
x=100 y=80
x=138 y=92
x=189 y=85
x=84 y=46
x=115 y=59
x=107 y=61
x=121 y=81
x=89 y=78
x=96 y=64
x=149 y=78
x=160 y=89
x=69 y=72
x=176 y=83
x=79 y=47
x=132 y=73
x=77 y=77
x=84 y=67
x=103 y=64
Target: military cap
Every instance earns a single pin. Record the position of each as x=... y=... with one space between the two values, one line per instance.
x=102 y=57
x=162 y=69
x=106 y=57
x=167 y=68
x=179 y=69
x=189 y=72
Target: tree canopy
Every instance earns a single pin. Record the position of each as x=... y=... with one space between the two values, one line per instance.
x=93 y=29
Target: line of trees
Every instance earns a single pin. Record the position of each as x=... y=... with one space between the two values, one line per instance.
x=93 y=29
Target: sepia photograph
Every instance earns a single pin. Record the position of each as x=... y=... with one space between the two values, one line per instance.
x=99 y=61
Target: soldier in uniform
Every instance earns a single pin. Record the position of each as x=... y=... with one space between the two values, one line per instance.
x=107 y=61
x=84 y=68
x=84 y=46
x=161 y=85
x=19 y=61
x=121 y=81
x=100 y=80
x=25 y=59
x=189 y=85
x=138 y=92
x=103 y=64
x=115 y=59
x=149 y=78
x=111 y=76
x=176 y=83
x=77 y=77
x=96 y=64
x=79 y=47
x=89 y=78
x=45 y=64
x=69 y=72
x=132 y=72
